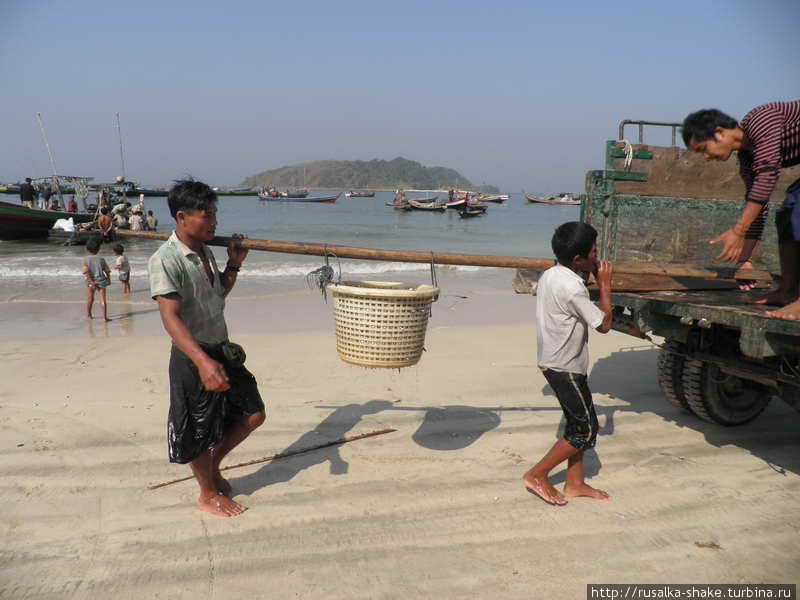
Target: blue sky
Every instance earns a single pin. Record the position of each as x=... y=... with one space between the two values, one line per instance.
x=518 y=94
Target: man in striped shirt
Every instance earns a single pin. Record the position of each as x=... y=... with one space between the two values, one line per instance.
x=767 y=140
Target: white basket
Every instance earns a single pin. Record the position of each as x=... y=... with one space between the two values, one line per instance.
x=381 y=324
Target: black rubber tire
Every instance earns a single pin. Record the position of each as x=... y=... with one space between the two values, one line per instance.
x=670 y=374
x=724 y=399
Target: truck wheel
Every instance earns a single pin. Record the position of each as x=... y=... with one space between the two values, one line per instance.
x=717 y=397
x=670 y=373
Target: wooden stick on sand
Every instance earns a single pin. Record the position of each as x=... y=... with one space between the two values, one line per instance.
x=343 y=440
x=476 y=260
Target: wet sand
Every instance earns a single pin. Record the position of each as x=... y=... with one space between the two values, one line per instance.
x=435 y=509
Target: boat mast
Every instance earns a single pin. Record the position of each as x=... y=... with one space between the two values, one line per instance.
x=52 y=160
x=121 y=155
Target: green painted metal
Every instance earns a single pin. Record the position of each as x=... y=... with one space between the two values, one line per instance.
x=666 y=229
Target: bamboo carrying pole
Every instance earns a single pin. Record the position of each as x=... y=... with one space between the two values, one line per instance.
x=476 y=260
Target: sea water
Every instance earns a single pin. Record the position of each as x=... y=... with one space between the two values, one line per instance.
x=513 y=228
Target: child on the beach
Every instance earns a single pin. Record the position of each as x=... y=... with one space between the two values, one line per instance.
x=214 y=400
x=123 y=266
x=98 y=276
x=564 y=314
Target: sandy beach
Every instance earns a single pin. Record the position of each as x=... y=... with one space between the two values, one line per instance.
x=435 y=509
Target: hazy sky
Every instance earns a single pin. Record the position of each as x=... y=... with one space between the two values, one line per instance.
x=518 y=94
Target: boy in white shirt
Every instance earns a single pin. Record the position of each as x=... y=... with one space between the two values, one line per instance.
x=564 y=314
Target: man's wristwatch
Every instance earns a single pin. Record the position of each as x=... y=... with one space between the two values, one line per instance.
x=230 y=267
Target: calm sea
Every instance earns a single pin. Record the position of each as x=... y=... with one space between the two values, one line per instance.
x=515 y=228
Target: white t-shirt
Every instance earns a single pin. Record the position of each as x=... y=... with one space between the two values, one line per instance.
x=564 y=314
x=123 y=264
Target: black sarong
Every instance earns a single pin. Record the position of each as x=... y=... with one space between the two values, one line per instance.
x=199 y=419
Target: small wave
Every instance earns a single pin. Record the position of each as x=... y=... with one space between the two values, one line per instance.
x=252 y=270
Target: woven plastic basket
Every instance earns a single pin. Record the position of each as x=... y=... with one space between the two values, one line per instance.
x=381 y=324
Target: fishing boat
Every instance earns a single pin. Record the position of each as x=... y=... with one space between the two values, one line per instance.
x=268 y=198
x=425 y=199
x=466 y=213
x=352 y=194
x=237 y=192
x=19 y=222
x=562 y=200
x=429 y=206
x=499 y=198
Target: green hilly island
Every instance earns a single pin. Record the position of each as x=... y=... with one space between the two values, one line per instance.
x=364 y=174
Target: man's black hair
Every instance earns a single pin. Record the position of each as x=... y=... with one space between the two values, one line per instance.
x=573 y=239
x=119 y=248
x=27 y=180
x=103 y=210
x=702 y=124
x=93 y=245
x=190 y=195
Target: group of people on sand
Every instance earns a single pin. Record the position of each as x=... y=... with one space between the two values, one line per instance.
x=97 y=273
x=215 y=403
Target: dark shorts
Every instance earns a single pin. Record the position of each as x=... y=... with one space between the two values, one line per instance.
x=199 y=419
x=124 y=277
x=575 y=399
x=787 y=219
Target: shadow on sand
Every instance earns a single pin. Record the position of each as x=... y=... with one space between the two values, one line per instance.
x=772 y=437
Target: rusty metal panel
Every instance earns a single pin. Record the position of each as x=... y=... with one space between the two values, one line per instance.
x=670 y=230
x=682 y=173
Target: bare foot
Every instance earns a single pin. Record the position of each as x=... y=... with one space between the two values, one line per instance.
x=790 y=312
x=107 y=319
x=585 y=490
x=220 y=506
x=223 y=485
x=542 y=487
x=775 y=298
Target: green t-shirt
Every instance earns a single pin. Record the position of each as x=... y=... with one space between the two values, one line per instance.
x=177 y=269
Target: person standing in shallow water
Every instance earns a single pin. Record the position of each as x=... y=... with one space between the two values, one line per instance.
x=214 y=400
x=564 y=314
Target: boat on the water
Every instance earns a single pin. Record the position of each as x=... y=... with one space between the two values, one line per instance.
x=466 y=213
x=352 y=194
x=429 y=206
x=18 y=222
x=562 y=200
x=498 y=198
x=268 y=198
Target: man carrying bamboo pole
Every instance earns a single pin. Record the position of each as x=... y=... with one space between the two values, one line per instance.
x=767 y=140
x=214 y=399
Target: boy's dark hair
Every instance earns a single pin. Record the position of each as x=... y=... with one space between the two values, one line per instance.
x=702 y=124
x=119 y=248
x=27 y=180
x=149 y=213
x=190 y=195
x=93 y=245
x=104 y=211
x=573 y=239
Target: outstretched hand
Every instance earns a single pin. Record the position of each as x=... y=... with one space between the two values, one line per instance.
x=733 y=245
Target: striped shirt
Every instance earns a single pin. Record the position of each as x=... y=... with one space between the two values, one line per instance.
x=773 y=131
